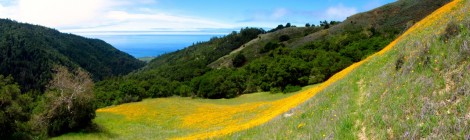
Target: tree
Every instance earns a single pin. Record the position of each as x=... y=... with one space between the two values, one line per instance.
x=288 y=25
x=324 y=24
x=239 y=60
x=283 y=38
x=307 y=25
x=13 y=110
x=334 y=22
x=69 y=102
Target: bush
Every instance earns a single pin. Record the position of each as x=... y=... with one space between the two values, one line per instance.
x=275 y=90
x=239 y=60
x=269 y=46
x=68 y=103
x=283 y=38
x=290 y=88
x=452 y=30
x=13 y=110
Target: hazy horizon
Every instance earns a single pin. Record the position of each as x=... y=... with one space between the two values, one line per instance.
x=151 y=45
x=182 y=16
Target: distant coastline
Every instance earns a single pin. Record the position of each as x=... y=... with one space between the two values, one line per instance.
x=148 y=45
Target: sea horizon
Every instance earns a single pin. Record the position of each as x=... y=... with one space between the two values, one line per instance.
x=152 y=45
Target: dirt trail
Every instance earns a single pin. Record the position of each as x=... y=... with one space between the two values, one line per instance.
x=360 y=100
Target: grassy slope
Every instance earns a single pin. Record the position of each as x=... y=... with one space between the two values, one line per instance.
x=428 y=97
x=251 y=49
x=146 y=59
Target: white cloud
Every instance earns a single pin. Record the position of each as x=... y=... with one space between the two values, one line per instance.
x=61 y=13
x=340 y=12
x=279 y=13
x=100 y=15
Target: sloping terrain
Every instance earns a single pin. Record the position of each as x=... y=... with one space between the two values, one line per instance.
x=416 y=88
x=251 y=49
x=29 y=53
x=174 y=117
x=266 y=62
x=389 y=20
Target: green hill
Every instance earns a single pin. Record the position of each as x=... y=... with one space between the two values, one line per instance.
x=278 y=61
x=416 y=89
x=29 y=53
x=387 y=22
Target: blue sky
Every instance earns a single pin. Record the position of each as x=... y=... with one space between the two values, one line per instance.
x=177 y=16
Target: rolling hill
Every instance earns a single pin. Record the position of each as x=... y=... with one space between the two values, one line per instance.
x=417 y=87
x=279 y=61
x=389 y=20
x=29 y=53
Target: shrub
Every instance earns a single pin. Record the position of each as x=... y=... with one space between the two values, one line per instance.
x=399 y=63
x=291 y=88
x=274 y=90
x=451 y=30
x=283 y=38
x=307 y=25
x=269 y=46
x=68 y=103
x=239 y=60
x=13 y=110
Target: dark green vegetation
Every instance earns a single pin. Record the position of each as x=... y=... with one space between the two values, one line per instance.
x=14 y=108
x=171 y=74
x=40 y=97
x=279 y=61
x=67 y=105
x=29 y=53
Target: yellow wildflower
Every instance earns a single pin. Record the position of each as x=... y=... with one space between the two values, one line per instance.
x=300 y=125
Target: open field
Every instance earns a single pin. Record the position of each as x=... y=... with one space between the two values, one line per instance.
x=174 y=117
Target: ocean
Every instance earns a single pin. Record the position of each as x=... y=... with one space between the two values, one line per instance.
x=151 y=45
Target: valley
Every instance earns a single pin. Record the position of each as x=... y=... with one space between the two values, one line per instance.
x=398 y=71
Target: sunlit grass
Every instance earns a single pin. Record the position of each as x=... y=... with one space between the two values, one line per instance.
x=164 y=118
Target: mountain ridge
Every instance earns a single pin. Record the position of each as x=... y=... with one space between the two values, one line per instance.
x=29 y=52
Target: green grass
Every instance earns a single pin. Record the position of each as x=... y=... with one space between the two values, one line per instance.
x=146 y=59
x=161 y=117
x=429 y=97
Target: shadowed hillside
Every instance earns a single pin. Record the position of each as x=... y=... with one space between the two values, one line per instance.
x=29 y=53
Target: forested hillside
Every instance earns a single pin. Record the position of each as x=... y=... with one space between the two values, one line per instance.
x=282 y=60
x=171 y=74
x=383 y=23
x=29 y=52
x=46 y=79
